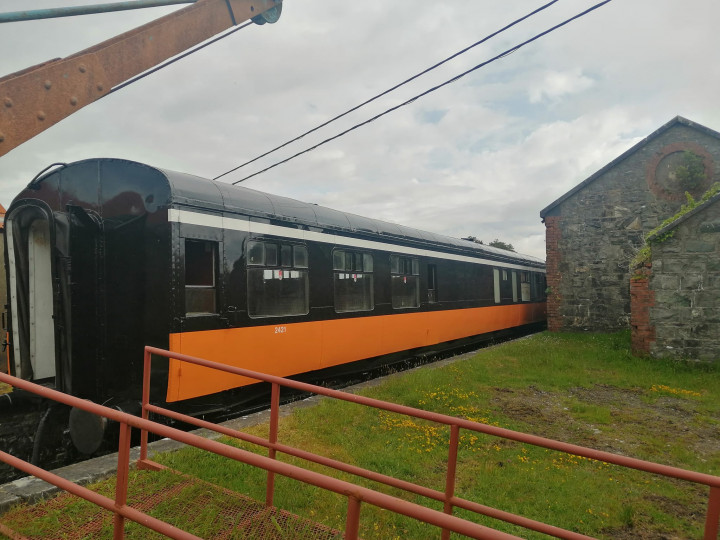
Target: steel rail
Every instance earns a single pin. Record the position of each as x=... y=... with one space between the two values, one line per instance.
x=71 y=11
x=355 y=494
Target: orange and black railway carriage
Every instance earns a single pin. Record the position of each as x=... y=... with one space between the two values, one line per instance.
x=106 y=255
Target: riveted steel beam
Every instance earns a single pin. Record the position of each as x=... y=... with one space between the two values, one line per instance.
x=36 y=98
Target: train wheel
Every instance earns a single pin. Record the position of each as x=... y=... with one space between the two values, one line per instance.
x=87 y=430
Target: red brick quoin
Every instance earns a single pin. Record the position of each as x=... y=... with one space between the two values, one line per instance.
x=552 y=265
x=642 y=298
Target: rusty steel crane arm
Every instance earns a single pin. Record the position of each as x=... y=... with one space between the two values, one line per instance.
x=36 y=98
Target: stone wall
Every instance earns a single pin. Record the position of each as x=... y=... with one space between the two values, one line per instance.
x=597 y=229
x=686 y=283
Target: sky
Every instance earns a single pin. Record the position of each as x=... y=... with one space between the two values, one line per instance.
x=481 y=156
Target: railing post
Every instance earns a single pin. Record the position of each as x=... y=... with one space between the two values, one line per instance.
x=450 y=478
x=712 y=520
x=272 y=439
x=121 y=486
x=145 y=401
x=352 y=521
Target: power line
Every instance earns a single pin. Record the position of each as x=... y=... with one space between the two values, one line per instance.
x=173 y=60
x=466 y=49
x=433 y=89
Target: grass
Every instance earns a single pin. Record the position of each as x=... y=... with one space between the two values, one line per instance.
x=585 y=389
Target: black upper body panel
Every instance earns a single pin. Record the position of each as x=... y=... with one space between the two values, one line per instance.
x=117 y=188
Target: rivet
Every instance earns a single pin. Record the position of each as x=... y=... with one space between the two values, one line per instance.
x=48 y=85
x=2 y=137
x=73 y=100
x=8 y=102
x=41 y=115
x=82 y=68
x=100 y=87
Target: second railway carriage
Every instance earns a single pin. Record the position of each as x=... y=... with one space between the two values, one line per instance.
x=105 y=256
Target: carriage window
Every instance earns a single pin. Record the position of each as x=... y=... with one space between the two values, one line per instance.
x=256 y=254
x=200 y=277
x=300 y=257
x=286 y=255
x=367 y=262
x=278 y=281
x=394 y=264
x=525 y=286
x=496 y=279
x=353 y=281
x=271 y=255
x=432 y=283
x=405 y=281
x=538 y=293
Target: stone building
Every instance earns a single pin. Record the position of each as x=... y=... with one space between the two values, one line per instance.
x=675 y=295
x=595 y=229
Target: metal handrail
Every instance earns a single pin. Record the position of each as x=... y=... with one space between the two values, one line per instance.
x=50 y=13
x=712 y=521
x=119 y=507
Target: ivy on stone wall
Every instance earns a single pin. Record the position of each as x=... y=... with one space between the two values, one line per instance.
x=644 y=255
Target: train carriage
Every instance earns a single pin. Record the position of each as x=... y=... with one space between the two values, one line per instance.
x=105 y=256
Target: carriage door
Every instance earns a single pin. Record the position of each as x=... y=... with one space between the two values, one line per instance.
x=42 y=329
x=31 y=293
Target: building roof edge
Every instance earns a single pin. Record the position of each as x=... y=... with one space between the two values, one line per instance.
x=675 y=121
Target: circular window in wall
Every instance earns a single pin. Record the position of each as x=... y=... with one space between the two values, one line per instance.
x=679 y=168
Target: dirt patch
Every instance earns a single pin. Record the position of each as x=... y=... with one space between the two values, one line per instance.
x=631 y=533
x=543 y=413
x=631 y=422
x=693 y=512
x=549 y=414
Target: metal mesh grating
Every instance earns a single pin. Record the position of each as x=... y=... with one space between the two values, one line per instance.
x=196 y=506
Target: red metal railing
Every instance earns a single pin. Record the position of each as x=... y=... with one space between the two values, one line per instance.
x=712 y=521
x=355 y=494
x=122 y=511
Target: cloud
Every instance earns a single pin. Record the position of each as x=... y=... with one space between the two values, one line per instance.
x=555 y=85
x=432 y=116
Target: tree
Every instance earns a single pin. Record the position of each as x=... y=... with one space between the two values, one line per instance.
x=472 y=239
x=501 y=245
x=495 y=243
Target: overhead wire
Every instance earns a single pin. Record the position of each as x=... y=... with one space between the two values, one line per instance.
x=179 y=57
x=392 y=89
x=433 y=89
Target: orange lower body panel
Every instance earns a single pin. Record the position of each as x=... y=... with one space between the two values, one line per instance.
x=290 y=349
